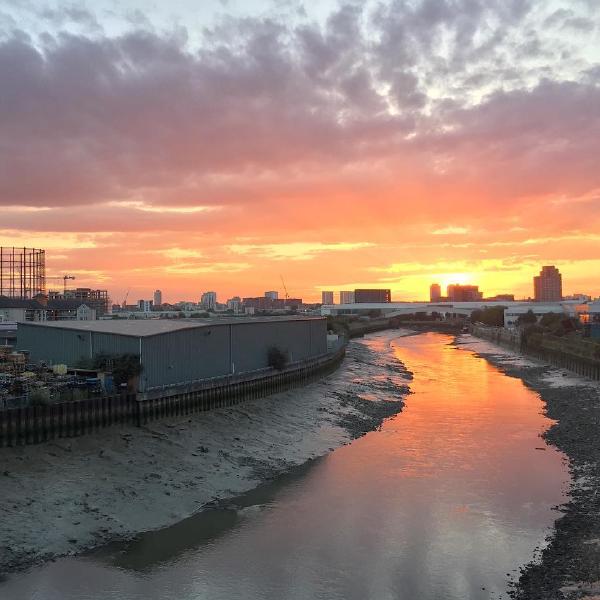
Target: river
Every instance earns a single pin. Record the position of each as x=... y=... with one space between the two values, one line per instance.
x=446 y=501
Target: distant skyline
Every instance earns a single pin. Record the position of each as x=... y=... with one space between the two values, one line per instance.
x=221 y=145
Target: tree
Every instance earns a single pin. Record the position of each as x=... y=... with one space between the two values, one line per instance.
x=277 y=358
x=532 y=335
x=124 y=367
x=39 y=397
x=528 y=318
x=492 y=316
x=550 y=320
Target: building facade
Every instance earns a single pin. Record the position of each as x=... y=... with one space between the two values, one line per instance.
x=547 y=286
x=176 y=352
x=234 y=304
x=96 y=299
x=263 y=303
x=43 y=309
x=145 y=306
x=209 y=300
x=539 y=309
x=463 y=293
x=272 y=294
x=435 y=292
x=372 y=295
x=326 y=297
x=346 y=297
x=157 y=298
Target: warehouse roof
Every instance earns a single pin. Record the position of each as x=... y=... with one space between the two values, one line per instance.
x=149 y=327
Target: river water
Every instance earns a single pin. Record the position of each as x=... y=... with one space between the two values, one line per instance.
x=446 y=501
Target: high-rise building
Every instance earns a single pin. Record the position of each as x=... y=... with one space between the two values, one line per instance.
x=376 y=296
x=209 y=300
x=435 y=292
x=463 y=293
x=326 y=297
x=145 y=305
x=273 y=295
x=346 y=297
x=547 y=286
x=157 y=298
x=234 y=304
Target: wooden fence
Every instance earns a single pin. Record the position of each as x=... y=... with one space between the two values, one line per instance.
x=36 y=424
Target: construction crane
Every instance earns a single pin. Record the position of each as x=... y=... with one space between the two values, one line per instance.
x=284 y=288
x=64 y=278
x=125 y=299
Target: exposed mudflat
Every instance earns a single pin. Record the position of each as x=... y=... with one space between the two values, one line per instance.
x=65 y=496
x=569 y=565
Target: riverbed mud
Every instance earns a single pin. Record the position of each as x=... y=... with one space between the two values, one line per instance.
x=568 y=567
x=69 y=495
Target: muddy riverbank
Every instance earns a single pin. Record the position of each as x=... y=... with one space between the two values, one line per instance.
x=69 y=495
x=569 y=566
x=447 y=499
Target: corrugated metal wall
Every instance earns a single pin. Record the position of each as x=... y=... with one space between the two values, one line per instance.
x=192 y=354
x=183 y=355
x=55 y=345
x=299 y=339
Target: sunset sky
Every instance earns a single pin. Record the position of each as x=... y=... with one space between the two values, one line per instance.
x=216 y=145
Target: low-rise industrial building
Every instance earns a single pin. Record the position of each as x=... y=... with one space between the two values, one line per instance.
x=177 y=352
x=512 y=314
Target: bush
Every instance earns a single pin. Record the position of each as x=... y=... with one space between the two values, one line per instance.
x=124 y=367
x=492 y=316
x=276 y=358
x=39 y=397
x=528 y=318
x=532 y=336
x=339 y=325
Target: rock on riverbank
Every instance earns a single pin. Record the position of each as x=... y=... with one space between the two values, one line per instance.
x=569 y=566
x=69 y=495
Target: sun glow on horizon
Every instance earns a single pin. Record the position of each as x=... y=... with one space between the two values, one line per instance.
x=446 y=279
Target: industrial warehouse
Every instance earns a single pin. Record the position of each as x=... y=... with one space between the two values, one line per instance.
x=173 y=353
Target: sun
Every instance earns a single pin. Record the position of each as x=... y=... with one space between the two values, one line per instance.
x=446 y=279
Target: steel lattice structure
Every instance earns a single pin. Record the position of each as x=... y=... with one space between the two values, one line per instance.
x=22 y=272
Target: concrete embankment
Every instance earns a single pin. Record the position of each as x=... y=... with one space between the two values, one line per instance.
x=360 y=328
x=67 y=495
x=565 y=358
x=568 y=566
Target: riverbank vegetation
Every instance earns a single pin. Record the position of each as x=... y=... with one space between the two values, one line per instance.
x=489 y=315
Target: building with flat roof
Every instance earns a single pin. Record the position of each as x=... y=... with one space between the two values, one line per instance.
x=176 y=352
x=372 y=295
x=157 y=298
x=463 y=293
x=265 y=303
x=539 y=309
x=435 y=292
x=96 y=299
x=347 y=297
x=209 y=300
x=547 y=286
x=326 y=297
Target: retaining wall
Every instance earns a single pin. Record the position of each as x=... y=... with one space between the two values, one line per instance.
x=32 y=425
x=586 y=367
